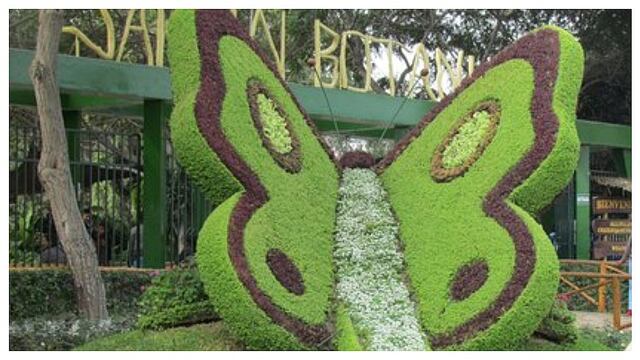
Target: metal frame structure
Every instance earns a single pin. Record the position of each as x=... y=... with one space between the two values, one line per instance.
x=121 y=89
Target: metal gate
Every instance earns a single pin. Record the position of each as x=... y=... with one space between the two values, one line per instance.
x=188 y=208
x=106 y=171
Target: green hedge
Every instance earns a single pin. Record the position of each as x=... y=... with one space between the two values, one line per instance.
x=347 y=338
x=205 y=337
x=444 y=224
x=299 y=215
x=175 y=298
x=202 y=164
x=559 y=325
x=50 y=292
x=286 y=204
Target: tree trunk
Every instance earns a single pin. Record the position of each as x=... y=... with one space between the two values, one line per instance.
x=55 y=175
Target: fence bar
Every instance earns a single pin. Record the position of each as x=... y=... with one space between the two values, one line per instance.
x=594 y=275
x=579 y=291
x=72 y=122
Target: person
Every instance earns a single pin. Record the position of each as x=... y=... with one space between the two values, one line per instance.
x=554 y=240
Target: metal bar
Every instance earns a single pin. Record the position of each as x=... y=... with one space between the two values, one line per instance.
x=31 y=233
x=89 y=215
x=16 y=208
x=72 y=122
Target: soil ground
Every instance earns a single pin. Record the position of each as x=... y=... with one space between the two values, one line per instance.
x=596 y=320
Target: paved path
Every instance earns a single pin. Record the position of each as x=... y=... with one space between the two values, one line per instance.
x=588 y=319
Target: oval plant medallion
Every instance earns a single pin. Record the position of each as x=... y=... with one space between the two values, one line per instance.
x=274 y=127
x=466 y=142
x=285 y=271
x=469 y=279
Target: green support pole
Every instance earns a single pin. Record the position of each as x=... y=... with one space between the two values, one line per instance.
x=583 y=205
x=72 y=120
x=155 y=185
x=626 y=154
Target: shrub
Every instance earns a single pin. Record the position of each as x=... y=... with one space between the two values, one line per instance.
x=45 y=293
x=559 y=325
x=175 y=298
x=614 y=339
x=205 y=337
x=60 y=334
x=265 y=254
x=485 y=214
x=357 y=159
x=347 y=338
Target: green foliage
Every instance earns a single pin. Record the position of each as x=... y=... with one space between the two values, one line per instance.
x=556 y=170
x=25 y=240
x=176 y=297
x=275 y=128
x=50 y=292
x=228 y=295
x=192 y=150
x=581 y=344
x=559 y=325
x=61 y=333
x=431 y=263
x=614 y=339
x=346 y=335
x=585 y=340
x=205 y=337
x=465 y=142
x=299 y=217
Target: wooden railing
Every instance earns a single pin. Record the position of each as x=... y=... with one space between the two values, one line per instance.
x=608 y=274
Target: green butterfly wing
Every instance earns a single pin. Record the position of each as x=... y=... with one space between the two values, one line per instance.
x=265 y=254
x=466 y=183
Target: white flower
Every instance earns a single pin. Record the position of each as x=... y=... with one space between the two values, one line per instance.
x=369 y=265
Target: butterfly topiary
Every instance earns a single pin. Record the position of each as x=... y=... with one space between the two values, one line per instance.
x=463 y=185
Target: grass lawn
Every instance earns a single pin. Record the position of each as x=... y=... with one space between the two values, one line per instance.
x=203 y=337
x=582 y=344
x=214 y=337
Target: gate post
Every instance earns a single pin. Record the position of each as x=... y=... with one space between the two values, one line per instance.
x=155 y=185
x=602 y=289
x=583 y=205
x=617 y=308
